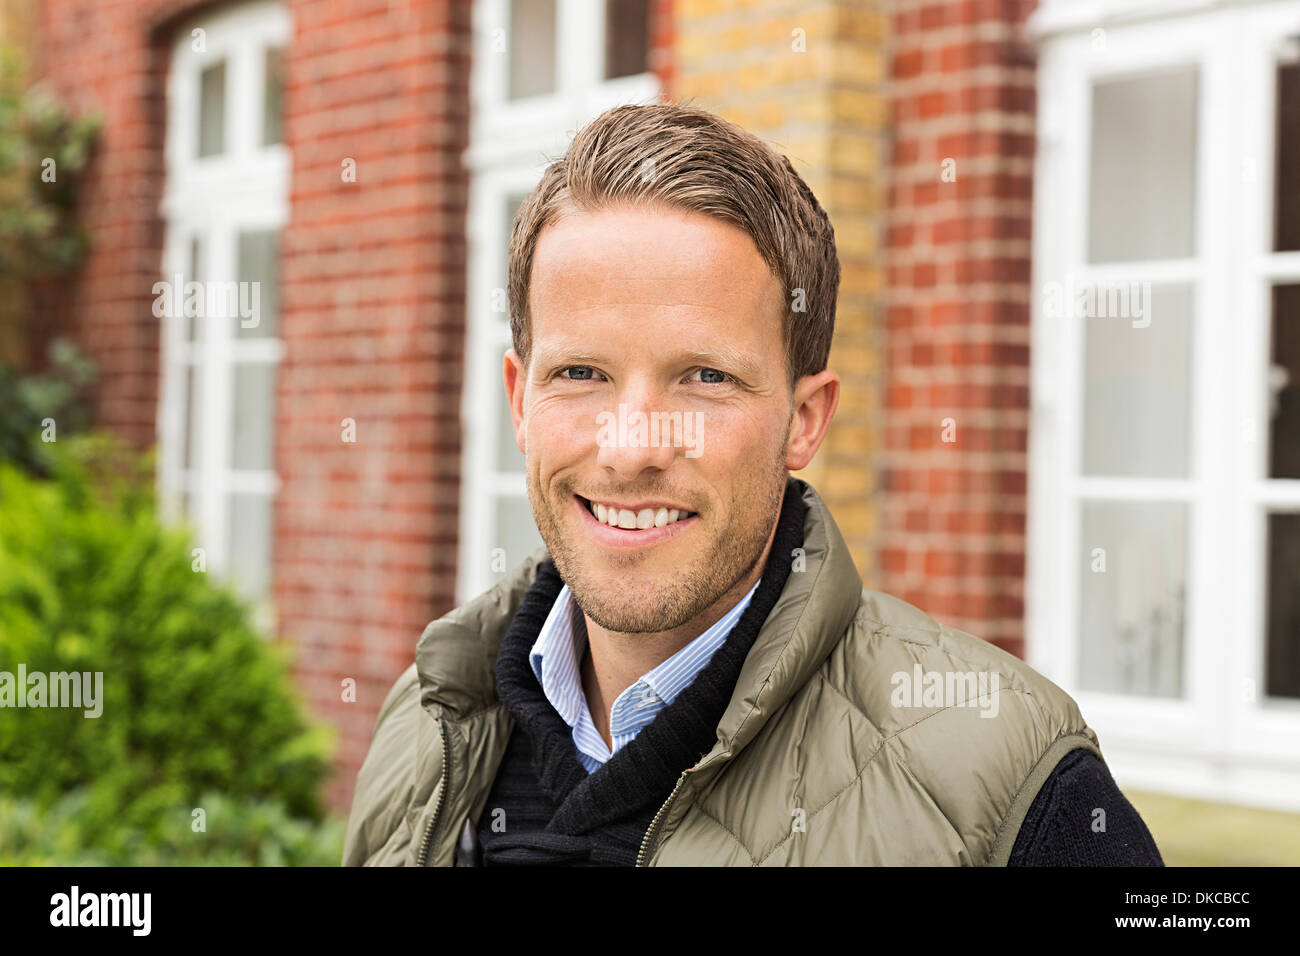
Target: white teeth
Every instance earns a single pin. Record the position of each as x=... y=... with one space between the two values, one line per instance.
x=635 y=520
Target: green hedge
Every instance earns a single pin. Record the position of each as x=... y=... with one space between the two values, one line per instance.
x=195 y=702
x=230 y=833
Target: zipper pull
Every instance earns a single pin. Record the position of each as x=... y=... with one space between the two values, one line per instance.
x=468 y=851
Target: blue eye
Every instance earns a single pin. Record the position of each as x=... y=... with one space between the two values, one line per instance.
x=712 y=376
x=584 y=373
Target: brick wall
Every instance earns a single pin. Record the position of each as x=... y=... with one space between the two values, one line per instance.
x=661 y=58
x=958 y=256
x=827 y=109
x=373 y=276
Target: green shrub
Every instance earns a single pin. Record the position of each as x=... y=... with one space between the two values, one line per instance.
x=43 y=149
x=195 y=702
x=230 y=833
x=56 y=394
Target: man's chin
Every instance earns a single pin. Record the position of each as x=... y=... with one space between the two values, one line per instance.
x=633 y=601
x=645 y=617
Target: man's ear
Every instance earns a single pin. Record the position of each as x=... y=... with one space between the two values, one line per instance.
x=515 y=380
x=815 y=399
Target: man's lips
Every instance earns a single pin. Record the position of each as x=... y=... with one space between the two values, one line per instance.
x=629 y=538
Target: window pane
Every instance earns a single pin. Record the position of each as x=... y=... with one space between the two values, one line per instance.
x=1142 y=187
x=1283 y=609
x=1137 y=394
x=508 y=456
x=516 y=531
x=259 y=313
x=191 y=321
x=254 y=386
x=1287 y=181
x=512 y=204
x=1284 y=385
x=1132 y=597
x=532 y=48
x=273 y=98
x=627 y=37
x=250 y=545
x=212 y=109
x=192 y=418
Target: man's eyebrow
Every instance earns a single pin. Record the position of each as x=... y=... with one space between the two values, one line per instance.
x=552 y=355
x=724 y=358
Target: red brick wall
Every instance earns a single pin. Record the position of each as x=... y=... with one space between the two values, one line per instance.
x=373 y=308
x=661 y=58
x=373 y=276
x=957 y=314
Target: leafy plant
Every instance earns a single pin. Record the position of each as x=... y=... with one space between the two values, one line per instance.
x=227 y=833
x=194 y=701
x=42 y=149
x=45 y=152
x=56 y=395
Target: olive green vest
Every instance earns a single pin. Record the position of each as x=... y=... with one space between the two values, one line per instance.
x=861 y=731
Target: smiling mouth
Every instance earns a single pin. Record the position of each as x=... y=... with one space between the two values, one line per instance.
x=630 y=520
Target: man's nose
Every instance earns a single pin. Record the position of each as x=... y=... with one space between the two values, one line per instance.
x=636 y=435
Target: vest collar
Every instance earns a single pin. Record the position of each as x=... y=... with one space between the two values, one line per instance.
x=810 y=617
x=456 y=656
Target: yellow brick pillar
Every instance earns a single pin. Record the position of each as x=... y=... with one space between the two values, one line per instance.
x=809 y=78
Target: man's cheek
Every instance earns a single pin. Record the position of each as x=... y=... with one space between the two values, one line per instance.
x=558 y=431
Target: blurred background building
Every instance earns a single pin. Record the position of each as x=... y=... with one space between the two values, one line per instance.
x=1068 y=328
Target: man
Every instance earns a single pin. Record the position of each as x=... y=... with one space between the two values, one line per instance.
x=690 y=671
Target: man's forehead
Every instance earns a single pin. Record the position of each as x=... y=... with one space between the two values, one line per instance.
x=652 y=252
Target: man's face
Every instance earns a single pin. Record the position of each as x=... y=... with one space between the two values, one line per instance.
x=675 y=316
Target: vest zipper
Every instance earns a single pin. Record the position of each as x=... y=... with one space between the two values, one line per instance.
x=654 y=824
x=421 y=859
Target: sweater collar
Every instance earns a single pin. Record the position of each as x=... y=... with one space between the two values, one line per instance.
x=456 y=656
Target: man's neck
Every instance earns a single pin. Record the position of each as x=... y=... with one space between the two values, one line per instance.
x=614 y=661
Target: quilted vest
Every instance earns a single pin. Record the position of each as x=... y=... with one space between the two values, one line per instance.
x=860 y=732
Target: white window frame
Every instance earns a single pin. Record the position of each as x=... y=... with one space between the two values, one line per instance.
x=510 y=143
x=1215 y=742
x=214 y=198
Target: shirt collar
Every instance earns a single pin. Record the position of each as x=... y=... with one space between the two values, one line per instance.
x=554 y=658
x=674 y=675
x=556 y=655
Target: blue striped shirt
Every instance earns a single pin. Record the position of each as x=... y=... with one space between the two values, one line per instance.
x=556 y=656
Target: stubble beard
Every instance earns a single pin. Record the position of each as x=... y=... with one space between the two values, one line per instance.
x=729 y=555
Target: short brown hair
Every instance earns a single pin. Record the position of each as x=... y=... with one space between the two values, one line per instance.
x=688 y=158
